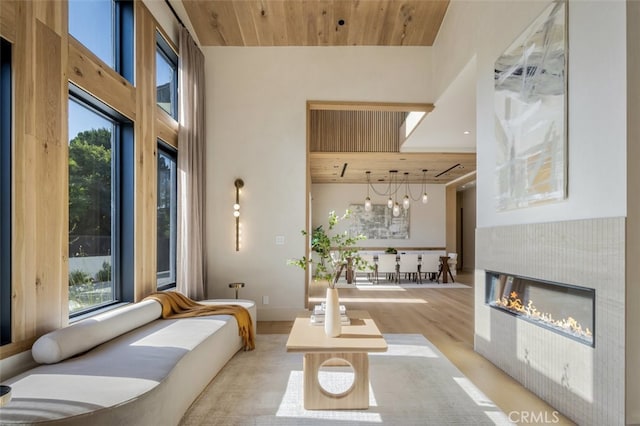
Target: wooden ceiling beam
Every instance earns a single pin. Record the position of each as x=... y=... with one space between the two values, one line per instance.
x=369 y=106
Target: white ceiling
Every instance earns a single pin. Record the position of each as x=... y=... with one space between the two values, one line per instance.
x=442 y=130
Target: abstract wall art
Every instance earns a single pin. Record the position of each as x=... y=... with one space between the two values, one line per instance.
x=530 y=114
x=379 y=223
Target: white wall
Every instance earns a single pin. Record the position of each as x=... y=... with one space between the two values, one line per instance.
x=426 y=221
x=256 y=130
x=596 y=94
x=161 y=12
x=579 y=241
x=468 y=219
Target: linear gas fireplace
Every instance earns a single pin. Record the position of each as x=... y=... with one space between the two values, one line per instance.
x=565 y=309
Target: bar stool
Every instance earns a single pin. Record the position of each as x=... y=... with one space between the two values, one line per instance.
x=237 y=286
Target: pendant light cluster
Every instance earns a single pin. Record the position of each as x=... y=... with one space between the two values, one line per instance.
x=392 y=192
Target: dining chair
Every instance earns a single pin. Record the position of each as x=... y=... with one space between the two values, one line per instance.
x=388 y=265
x=409 y=267
x=453 y=262
x=368 y=266
x=430 y=266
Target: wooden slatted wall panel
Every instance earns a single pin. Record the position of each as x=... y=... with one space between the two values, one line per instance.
x=355 y=131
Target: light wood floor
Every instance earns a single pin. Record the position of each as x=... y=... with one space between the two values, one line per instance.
x=444 y=317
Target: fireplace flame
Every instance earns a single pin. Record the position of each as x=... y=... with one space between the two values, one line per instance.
x=514 y=304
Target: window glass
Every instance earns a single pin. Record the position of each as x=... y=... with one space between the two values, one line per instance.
x=92 y=23
x=166 y=77
x=167 y=216
x=91 y=207
x=5 y=190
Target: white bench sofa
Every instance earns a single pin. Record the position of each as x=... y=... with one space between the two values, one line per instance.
x=124 y=367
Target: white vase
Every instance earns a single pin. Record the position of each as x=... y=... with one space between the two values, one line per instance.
x=332 y=323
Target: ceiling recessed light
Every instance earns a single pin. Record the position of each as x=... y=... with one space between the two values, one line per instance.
x=466 y=132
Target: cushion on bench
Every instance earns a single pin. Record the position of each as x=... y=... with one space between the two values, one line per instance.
x=86 y=334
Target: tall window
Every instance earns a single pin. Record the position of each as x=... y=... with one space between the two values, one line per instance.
x=166 y=77
x=167 y=216
x=5 y=191
x=100 y=204
x=106 y=28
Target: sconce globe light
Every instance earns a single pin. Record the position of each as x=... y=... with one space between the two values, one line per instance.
x=239 y=183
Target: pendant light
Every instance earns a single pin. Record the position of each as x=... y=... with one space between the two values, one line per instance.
x=406 y=203
x=392 y=192
x=367 y=201
x=396 y=206
x=390 y=200
x=425 y=197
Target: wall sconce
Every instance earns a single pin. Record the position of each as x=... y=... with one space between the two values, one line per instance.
x=239 y=183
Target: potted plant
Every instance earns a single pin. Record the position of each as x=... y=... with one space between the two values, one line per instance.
x=335 y=253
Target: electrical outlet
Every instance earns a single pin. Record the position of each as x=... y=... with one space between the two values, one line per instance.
x=265 y=300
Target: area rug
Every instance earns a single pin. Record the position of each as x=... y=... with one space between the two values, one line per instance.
x=410 y=384
x=392 y=286
x=361 y=282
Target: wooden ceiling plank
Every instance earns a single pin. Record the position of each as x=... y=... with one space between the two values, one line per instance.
x=372 y=23
x=341 y=11
x=315 y=22
x=388 y=24
x=434 y=15
x=224 y=20
x=405 y=14
x=356 y=23
x=278 y=22
x=199 y=13
x=310 y=34
x=325 y=23
x=295 y=23
x=417 y=33
x=246 y=24
x=261 y=13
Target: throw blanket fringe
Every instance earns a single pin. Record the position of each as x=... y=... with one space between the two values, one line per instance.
x=177 y=305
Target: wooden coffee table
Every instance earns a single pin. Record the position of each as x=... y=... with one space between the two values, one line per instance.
x=350 y=348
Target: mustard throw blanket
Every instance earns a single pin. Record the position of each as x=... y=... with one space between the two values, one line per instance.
x=177 y=305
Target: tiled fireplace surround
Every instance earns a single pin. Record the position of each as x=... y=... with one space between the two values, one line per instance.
x=584 y=383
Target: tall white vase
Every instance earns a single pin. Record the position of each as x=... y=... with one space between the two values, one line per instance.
x=332 y=323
